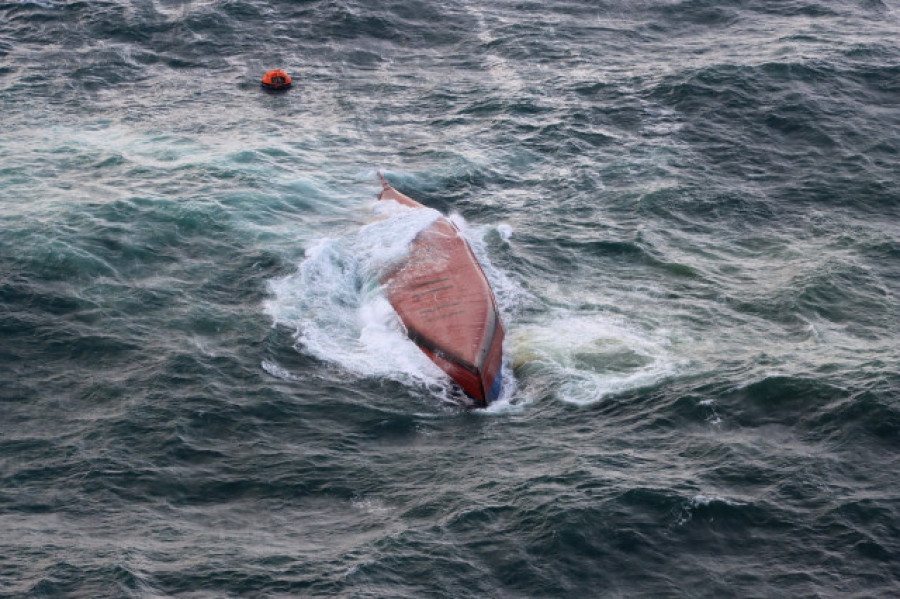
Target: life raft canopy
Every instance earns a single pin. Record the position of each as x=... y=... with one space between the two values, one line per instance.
x=276 y=79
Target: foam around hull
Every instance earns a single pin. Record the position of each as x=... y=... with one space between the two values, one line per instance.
x=446 y=304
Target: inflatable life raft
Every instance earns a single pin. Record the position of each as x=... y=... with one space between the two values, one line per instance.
x=276 y=80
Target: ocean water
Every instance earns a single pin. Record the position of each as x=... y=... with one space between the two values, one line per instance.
x=689 y=212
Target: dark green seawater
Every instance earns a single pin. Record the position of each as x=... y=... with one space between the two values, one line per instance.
x=689 y=211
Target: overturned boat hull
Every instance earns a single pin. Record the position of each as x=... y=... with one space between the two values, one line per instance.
x=446 y=304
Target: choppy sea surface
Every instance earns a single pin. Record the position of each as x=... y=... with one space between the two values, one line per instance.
x=690 y=214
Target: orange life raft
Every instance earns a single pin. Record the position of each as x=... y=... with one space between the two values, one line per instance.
x=446 y=304
x=276 y=79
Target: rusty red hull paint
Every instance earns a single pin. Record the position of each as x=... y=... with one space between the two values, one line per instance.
x=446 y=304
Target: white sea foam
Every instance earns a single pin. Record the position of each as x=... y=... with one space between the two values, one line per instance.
x=582 y=358
x=505 y=231
x=704 y=500
x=510 y=295
x=277 y=371
x=336 y=306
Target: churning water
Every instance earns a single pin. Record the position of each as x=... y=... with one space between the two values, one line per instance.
x=689 y=212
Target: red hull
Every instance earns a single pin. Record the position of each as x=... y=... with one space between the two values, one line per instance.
x=446 y=304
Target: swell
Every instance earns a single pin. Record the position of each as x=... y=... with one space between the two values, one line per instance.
x=817 y=113
x=691 y=203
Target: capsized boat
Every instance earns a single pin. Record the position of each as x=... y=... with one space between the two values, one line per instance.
x=446 y=304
